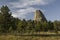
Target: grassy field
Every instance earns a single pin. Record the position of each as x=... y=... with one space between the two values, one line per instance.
x=12 y=37
x=32 y=37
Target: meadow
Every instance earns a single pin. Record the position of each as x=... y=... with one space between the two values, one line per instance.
x=13 y=37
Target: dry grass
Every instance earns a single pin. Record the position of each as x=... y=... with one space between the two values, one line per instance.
x=12 y=37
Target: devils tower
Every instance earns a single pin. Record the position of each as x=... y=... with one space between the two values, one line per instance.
x=39 y=16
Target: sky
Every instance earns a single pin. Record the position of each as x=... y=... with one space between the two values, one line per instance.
x=24 y=9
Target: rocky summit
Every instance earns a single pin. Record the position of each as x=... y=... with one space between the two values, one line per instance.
x=39 y=16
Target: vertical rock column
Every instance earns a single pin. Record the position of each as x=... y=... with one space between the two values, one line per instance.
x=39 y=17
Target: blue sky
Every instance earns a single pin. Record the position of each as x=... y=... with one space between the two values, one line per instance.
x=24 y=9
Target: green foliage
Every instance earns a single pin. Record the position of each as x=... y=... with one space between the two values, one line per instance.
x=6 y=16
x=56 y=26
x=45 y=26
x=5 y=19
x=4 y=9
x=21 y=27
x=8 y=23
x=38 y=26
x=51 y=26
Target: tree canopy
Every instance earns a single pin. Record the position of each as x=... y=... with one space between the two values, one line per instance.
x=8 y=23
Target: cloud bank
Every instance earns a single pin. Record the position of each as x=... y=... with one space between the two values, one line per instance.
x=26 y=6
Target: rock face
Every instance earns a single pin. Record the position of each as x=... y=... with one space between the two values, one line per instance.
x=39 y=16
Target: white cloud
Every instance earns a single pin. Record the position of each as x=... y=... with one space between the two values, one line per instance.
x=26 y=4
x=21 y=13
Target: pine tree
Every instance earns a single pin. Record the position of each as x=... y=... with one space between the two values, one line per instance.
x=7 y=18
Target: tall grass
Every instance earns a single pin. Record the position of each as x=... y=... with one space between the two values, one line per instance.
x=12 y=37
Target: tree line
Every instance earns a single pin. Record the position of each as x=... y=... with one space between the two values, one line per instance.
x=8 y=23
